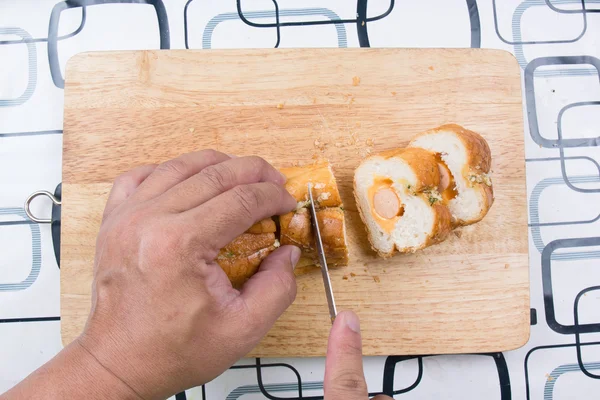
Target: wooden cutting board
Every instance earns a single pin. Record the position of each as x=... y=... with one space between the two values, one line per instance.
x=468 y=294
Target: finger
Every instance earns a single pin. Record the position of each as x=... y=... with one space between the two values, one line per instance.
x=270 y=291
x=125 y=185
x=225 y=217
x=219 y=178
x=344 y=375
x=172 y=172
x=382 y=397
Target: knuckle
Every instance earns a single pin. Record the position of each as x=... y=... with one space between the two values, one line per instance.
x=248 y=200
x=210 y=155
x=347 y=381
x=124 y=180
x=257 y=164
x=176 y=166
x=219 y=176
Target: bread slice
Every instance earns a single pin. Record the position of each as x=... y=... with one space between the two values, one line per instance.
x=296 y=228
x=397 y=198
x=325 y=190
x=464 y=160
x=241 y=258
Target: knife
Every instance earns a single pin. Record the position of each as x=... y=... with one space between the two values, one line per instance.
x=321 y=253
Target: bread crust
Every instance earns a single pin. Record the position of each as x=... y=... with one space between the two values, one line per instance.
x=333 y=235
x=267 y=225
x=325 y=190
x=241 y=258
x=296 y=229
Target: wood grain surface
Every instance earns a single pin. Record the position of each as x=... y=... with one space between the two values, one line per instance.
x=468 y=294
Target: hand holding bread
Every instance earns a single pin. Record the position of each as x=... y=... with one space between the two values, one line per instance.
x=408 y=199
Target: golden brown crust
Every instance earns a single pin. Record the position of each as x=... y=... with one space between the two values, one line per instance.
x=267 y=225
x=241 y=258
x=296 y=229
x=325 y=189
x=332 y=226
x=443 y=225
x=424 y=165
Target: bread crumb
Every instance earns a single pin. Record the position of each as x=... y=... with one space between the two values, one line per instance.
x=355 y=81
x=393 y=93
x=362 y=23
x=458 y=234
x=323 y=196
x=211 y=106
x=431 y=68
x=319 y=185
x=376 y=279
x=192 y=130
x=384 y=271
x=265 y=126
x=279 y=106
x=314 y=100
x=320 y=145
x=345 y=277
x=338 y=144
x=352 y=274
x=302 y=204
x=358 y=124
x=506 y=266
x=370 y=142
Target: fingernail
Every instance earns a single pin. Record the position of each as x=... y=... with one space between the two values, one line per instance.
x=232 y=155
x=352 y=321
x=295 y=256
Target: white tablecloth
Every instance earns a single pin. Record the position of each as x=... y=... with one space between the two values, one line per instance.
x=556 y=44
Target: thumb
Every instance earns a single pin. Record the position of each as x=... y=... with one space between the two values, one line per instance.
x=270 y=291
x=344 y=376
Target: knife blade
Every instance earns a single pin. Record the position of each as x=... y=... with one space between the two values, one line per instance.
x=322 y=258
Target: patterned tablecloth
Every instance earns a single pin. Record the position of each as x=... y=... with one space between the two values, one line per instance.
x=557 y=45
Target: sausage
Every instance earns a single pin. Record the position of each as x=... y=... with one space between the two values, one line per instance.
x=386 y=203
